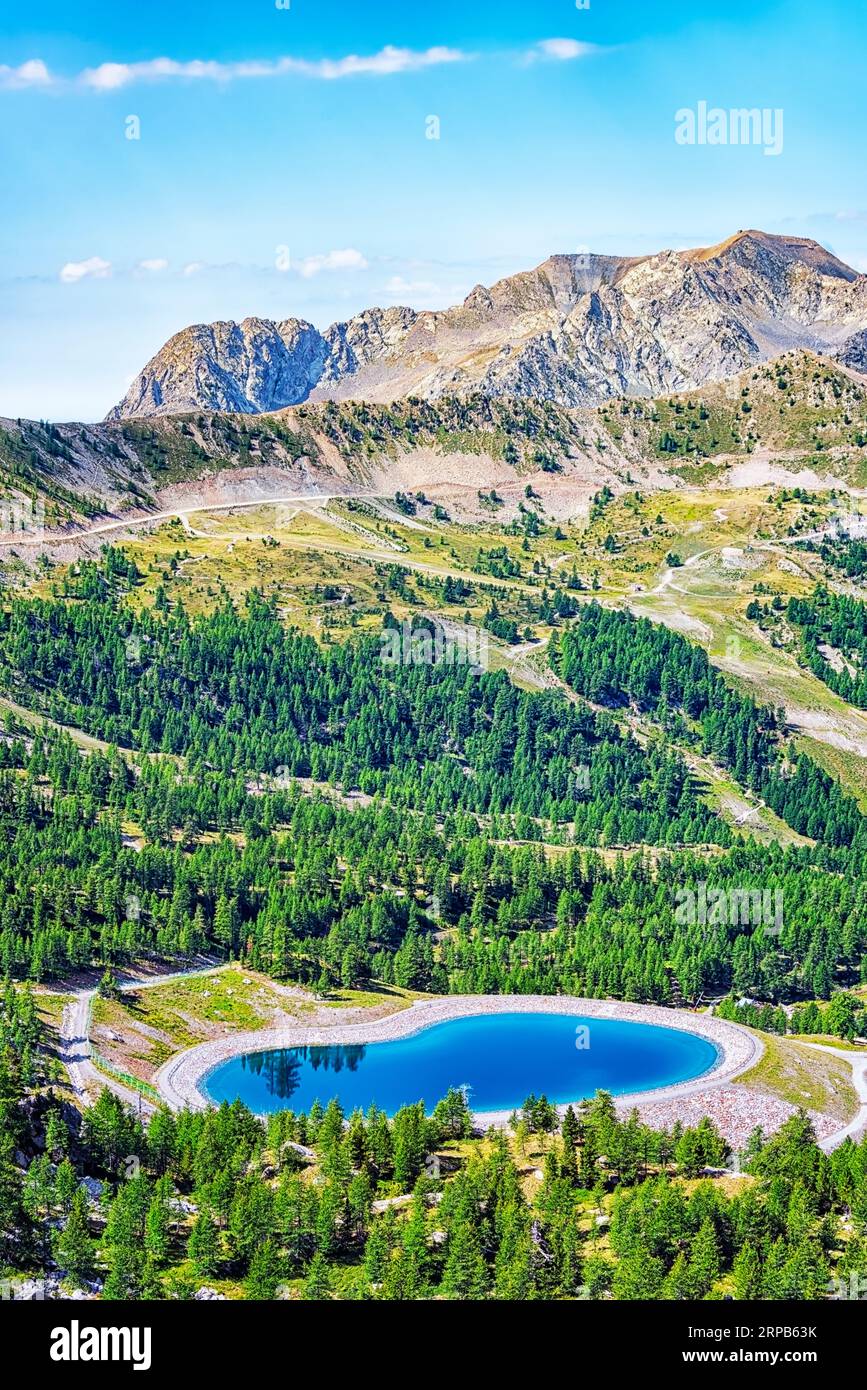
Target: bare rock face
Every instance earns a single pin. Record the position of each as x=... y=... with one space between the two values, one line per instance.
x=372 y=336
x=249 y=367
x=853 y=353
x=577 y=330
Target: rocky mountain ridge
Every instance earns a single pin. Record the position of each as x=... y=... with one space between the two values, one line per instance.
x=577 y=330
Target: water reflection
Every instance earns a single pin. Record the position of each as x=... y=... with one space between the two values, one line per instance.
x=281 y=1069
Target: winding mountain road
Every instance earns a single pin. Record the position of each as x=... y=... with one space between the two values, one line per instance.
x=75 y=1049
x=148 y=518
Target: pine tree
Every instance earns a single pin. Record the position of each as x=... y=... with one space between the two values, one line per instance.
x=73 y=1246
x=203 y=1246
x=704 y=1259
x=263 y=1276
x=317 y=1284
x=747 y=1273
x=157 y=1231
x=465 y=1275
x=125 y=1274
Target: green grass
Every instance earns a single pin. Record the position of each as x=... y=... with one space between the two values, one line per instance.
x=151 y=1024
x=134 y=1082
x=225 y=997
x=803 y=1076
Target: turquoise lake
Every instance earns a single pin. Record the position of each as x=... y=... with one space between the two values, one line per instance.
x=500 y=1058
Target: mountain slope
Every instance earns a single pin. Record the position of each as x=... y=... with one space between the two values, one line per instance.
x=800 y=408
x=130 y=467
x=577 y=330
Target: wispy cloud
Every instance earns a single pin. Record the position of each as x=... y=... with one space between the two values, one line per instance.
x=348 y=259
x=111 y=76
x=398 y=286
x=153 y=266
x=33 y=73
x=560 y=50
x=94 y=268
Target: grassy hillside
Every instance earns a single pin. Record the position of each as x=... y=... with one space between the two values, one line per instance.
x=532 y=435
x=797 y=403
x=800 y=407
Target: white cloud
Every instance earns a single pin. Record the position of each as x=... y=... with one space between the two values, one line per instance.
x=110 y=76
x=33 y=73
x=386 y=61
x=397 y=285
x=194 y=267
x=348 y=259
x=562 y=50
x=153 y=266
x=94 y=268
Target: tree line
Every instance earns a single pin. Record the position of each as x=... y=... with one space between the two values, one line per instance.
x=614 y=659
x=416 y=1206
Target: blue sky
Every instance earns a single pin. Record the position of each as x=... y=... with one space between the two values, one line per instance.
x=299 y=134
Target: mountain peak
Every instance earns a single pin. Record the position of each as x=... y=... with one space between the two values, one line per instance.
x=790 y=249
x=577 y=329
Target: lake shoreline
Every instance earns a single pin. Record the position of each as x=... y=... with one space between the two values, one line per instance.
x=180 y=1079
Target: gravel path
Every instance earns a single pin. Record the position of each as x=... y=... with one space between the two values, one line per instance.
x=857 y=1126
x=150 y=518
x=75 y=1049
x=179 y=1080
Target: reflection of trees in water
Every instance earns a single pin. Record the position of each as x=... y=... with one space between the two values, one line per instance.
x=281 y=1068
